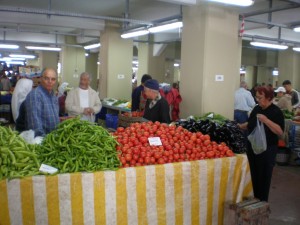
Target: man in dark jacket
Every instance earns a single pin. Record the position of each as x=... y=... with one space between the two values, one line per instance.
x=138 y=100
x=157 y=107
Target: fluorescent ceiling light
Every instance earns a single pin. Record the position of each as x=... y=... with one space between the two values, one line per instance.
x=12 y=58
x=297 y=49
x=86 y=54
x=16 y=62
x=269 y=45
x=235 y=2
x=135 y=62
x=43 y=48
x=92 y=46
x=165 y=27
x=297 y=29
x=135 y=33
x=176 y=64
x=9 y=46
x=23 y=56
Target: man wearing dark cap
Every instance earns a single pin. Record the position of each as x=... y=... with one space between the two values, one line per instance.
x=138 y=99
x=157 y=108
x=292 y=92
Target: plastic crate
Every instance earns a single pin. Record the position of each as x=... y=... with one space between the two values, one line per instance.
x=125 y=121
x=111 y=121
x=283 y=156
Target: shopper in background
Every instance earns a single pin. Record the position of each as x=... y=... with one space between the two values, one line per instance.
x=5 y=83
x=283 y=100
x=261 y=165
x=292 y=92
x=83 y=100
x=138 y=99
x=42 y=105
x=157 y=107
x=22 y=88
x=62 y=95
x=243 y=103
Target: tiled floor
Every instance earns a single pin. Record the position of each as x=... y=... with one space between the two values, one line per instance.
x=284 y=196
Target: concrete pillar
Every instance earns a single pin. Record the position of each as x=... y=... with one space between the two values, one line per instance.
x=72 y=62
x=115 y=79
x=210 y=60
x=91 y=67
x=144 y=53
x=289 y=67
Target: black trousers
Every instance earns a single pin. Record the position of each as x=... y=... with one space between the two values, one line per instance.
x=261 y=167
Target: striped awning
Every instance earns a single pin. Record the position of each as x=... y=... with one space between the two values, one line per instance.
x=186 y=193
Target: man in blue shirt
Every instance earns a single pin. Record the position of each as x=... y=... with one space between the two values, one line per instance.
x=42 y=109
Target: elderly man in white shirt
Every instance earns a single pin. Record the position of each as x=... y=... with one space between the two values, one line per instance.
x=83 y=100
x=243 y=103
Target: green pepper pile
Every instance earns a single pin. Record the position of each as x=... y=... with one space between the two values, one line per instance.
x=17 y=158
x=77 y=146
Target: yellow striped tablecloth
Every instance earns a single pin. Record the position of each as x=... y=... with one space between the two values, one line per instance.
x=186 y=193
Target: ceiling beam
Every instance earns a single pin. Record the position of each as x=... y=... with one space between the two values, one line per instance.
x=275 y=9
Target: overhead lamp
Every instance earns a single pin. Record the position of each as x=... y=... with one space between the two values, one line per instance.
x=166 y=27
x=13 y=58
x=296 y=29
x=134 y=33
x=235 y=2
x=275 y=72
x=176 y=65
x=297 y=49
x=23 y=56
x=269 y=45
x=43 y=48
x=15 y=63
x=9 y=46
x=92 y=46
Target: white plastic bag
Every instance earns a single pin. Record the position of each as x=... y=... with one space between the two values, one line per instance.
x=28 y=136
x=258 y=139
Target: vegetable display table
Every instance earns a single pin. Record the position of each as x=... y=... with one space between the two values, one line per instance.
x=179 y=193
x=115 y=109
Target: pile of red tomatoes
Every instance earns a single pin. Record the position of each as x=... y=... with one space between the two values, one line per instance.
x=178 y=145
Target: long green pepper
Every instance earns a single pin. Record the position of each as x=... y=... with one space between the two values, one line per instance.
x=79 y=146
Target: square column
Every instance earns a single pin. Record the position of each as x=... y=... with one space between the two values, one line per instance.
x=210 y=60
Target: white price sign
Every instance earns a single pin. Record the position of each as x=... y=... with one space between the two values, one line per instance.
x=47 y=169
x=154 y=141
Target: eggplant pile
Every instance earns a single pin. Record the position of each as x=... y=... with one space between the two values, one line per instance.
x=219 y=131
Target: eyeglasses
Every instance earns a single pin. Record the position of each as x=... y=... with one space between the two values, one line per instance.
x=49 y=78
x=259 y=97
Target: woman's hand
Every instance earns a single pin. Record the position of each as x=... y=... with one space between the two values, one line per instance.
x=274 y=127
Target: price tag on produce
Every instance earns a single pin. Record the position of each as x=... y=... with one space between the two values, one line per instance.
x=47 y=169
x=154 y=141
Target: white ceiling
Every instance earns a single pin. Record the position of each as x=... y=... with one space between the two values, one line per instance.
x=47 y=21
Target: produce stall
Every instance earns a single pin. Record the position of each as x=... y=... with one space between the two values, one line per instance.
x=175 y=193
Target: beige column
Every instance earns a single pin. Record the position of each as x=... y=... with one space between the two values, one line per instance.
x=72 y=63
x=91 y=67
x=144 y=52
x=115 y=78
x=210 y=58
x=289 y=67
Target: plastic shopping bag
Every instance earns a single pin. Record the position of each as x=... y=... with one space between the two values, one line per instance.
x=257 y=138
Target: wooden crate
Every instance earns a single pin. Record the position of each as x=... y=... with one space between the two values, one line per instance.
x=232 y=214
x=248 y=212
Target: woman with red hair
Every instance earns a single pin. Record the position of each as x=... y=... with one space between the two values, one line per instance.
x=261 y=165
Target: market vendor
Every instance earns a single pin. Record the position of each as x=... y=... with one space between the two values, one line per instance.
x=41 y=105
x=83 y=100
x=138 y=99
x=157 y=107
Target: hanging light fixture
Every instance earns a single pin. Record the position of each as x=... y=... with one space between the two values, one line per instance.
x=235 y=2
x=297 y=49
x=9 y=46
x=165 y=27
x=22 y=56
x=134 y=33
x=268 y=45
x=296 y=29
x=43 y=48
x=97 y=45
